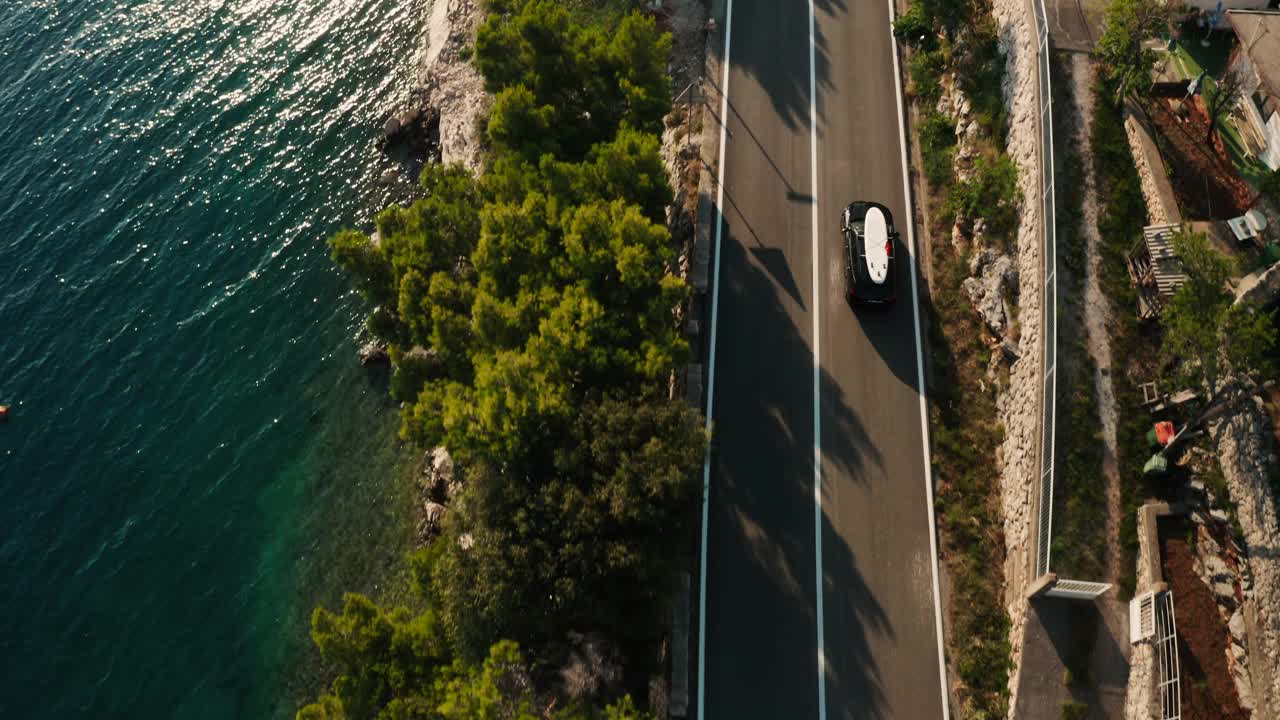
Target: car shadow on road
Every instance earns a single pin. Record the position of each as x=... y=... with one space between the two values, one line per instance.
x=891 y=330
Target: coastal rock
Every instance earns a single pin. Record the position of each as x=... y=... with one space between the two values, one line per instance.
x=374 y=353
x=450 y=83
x=416 y=130
x=438 y=474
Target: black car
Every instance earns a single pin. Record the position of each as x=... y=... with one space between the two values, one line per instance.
x=869 y=248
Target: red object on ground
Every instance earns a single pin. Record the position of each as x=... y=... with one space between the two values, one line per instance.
x=1164 y=432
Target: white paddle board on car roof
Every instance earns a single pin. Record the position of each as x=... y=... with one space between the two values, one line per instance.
x=876 y=245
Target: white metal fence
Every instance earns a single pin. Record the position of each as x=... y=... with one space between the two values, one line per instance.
x=1049 y=299
x=1165 y=644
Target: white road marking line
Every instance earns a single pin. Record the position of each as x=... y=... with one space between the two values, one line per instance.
x=817 y=372
x=711 y=376
x=924 y=411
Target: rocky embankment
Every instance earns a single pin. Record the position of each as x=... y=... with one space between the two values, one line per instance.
x=1005 y=290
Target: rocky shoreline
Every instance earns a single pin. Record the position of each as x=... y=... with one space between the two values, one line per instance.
x=447 y=105
x=450 y=84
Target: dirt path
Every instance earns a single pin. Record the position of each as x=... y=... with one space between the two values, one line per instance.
x=1095 y=312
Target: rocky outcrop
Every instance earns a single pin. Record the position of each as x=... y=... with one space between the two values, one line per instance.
x=438 y=479
x=449 y=82
x=1005 y=287
x=957 y=107
x=994 y=278
x=374 y=353
x=417 y=129
x=437 y=487
x=684 y=131
x=1247 y=456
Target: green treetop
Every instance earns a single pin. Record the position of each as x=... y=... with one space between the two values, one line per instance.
x=583 y=541
x=1127 y=26
x=562 y=86
x=1206 y=334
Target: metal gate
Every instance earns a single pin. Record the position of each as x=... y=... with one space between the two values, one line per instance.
x=1165 y=643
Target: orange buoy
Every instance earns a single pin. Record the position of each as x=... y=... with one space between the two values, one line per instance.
x=4 y=412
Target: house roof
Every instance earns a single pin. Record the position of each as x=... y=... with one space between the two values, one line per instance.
x=1259 y=33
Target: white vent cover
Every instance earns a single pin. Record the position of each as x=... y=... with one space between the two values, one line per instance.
x=1142 y=618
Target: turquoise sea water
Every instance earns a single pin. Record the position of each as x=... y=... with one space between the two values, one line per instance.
x=193 y=456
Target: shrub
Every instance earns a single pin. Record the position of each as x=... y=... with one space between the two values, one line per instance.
x=990 y=193
x=915 y=28
x=937 y=146
x=925 y=69
x=980 y=70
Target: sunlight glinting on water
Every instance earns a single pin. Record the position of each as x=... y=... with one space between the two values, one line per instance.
x=192 y=442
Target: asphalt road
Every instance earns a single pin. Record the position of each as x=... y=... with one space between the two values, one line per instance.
x=762 y=625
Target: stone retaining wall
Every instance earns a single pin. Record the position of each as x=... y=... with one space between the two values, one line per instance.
x=1019 y=404
x=1247 y=456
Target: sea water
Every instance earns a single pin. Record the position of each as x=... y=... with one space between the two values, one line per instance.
x=193 y=456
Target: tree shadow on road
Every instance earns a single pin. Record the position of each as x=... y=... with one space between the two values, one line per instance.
x=787 y=83
x=761 y=578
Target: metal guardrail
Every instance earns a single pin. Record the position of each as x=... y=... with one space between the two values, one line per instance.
x=1049 y=299
x=1165 y=644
